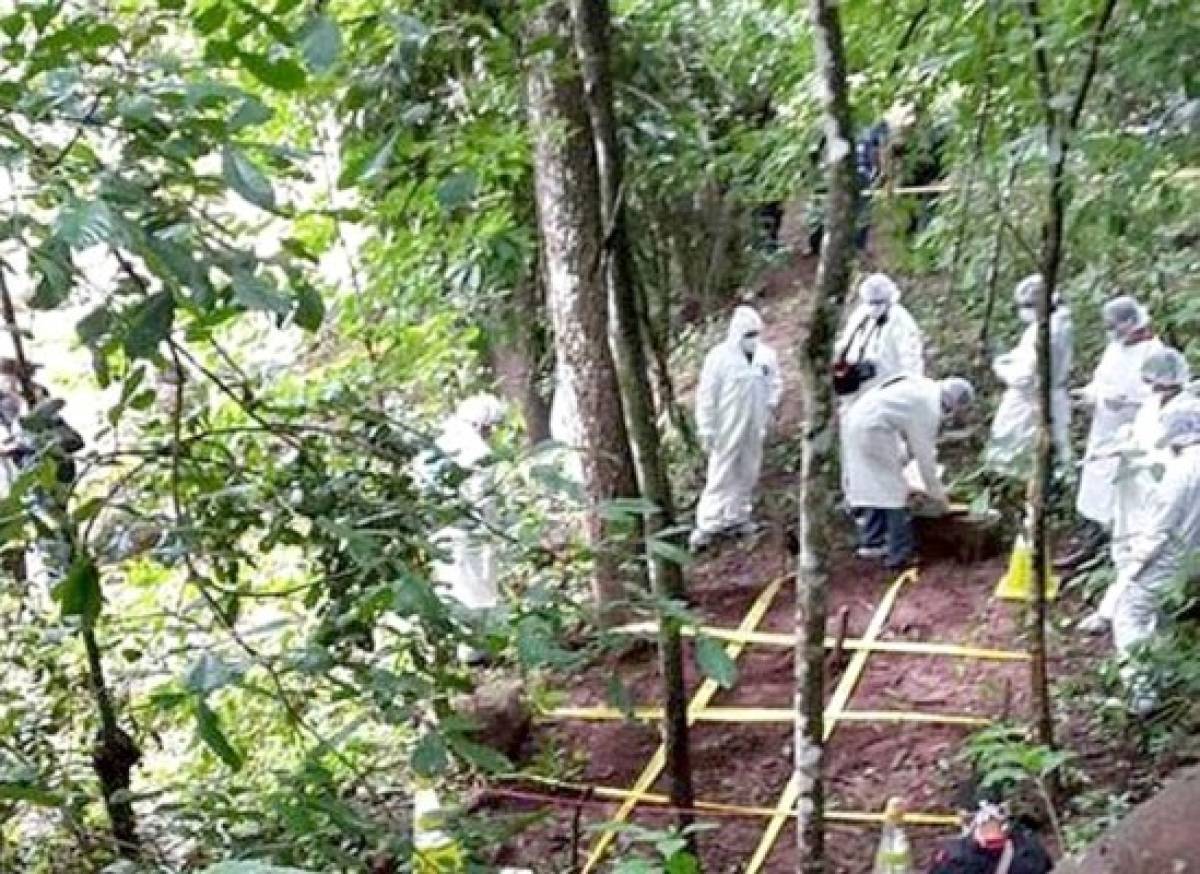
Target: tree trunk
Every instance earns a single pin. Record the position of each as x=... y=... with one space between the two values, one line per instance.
x=817 y=514
x=1058 y=133
x=114 y=753
x=592 y=29
x=567 y=191
x=517 y=359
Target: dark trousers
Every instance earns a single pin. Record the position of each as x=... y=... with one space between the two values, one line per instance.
x=889 y=527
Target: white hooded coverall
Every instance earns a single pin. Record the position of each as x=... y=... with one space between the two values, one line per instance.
x=886 y=422
x=1118 y=392
x=1140 y=465
x=894 y=347
x=470 y=572
x=1015 y=424
x=735 y=400
x=1172 y=537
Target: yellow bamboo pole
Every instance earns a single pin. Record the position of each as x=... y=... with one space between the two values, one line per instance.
x=846 y=816
x=781 y=639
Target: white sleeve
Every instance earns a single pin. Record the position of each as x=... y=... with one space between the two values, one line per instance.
x=922 y=446
x=707 y=397
x=910 y=349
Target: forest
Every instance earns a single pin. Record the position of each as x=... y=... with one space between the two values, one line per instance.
x=639 y=436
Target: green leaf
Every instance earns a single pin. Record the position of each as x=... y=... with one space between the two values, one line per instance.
x=456 y=190
x=310 y=308
x=208 y=726
x=246 y=179
x=30 y=794
x=714 y=662
x=480 y=756
x=668 y=551
x=103 y=35
x=12 y=24
x=618 y=695
x=682 y=863
x=94 y=325
x=282 y=74
x=250 y=112
x=87 y=224
x=151 y=324
x=211 y=19
x=321 y=43
x=255 y=293
x=53 y=261
x=79 y=592
x=429 y=757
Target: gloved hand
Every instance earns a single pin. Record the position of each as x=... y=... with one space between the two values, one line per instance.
x=1117 y=404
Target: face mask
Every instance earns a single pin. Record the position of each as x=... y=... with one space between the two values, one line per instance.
x=877 y=309
x=1028 y=315
x=749 y=344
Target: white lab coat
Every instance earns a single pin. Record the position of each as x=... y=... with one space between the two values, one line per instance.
x=886 y=426
x=470 y=571
x=1117 y=392
x=734 y=404
x=1164 y=554
x=1015 y=424
x=895 y=347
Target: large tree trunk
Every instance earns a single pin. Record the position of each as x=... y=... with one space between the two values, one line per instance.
x=817 y=514
x=516 y=353
x=567 y=187
x=592 y=28
x=1058 y=132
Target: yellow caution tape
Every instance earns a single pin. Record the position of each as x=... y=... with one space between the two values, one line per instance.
x=785 y=809
x=703 y=696
x=757 y=714
x=850 y=644
x=847 y=816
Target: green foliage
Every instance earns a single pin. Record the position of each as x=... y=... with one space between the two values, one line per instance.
x=668 y=848
x=714 y=662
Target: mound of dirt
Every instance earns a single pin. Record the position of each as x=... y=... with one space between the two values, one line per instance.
x=1158 y=837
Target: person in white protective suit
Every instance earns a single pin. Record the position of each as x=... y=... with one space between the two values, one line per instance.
x=891 y=423
x=740 y=388
x=1115 y=394
x=1014 y=427
x=880 y=340
x=469 y=574
x=1166 y=555
x=1140 y=464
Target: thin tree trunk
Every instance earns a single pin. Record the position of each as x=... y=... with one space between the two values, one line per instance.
x=567 y=193
x=993 y=274
x=1058 y=133
x=115 y=753
x=817 y=515
x=592 y=37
